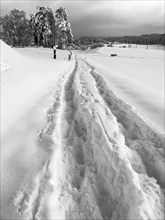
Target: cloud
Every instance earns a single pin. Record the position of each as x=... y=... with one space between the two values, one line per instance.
x=115 y=17
x=104 y=18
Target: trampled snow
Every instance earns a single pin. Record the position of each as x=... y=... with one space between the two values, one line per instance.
x=72 y=145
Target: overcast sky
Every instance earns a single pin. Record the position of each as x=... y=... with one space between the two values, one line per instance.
x=102 y=18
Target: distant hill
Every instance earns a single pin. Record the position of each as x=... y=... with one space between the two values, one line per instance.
x=142 y=39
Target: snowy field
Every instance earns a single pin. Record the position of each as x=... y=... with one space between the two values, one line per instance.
x=136 y=76
x=82 y=139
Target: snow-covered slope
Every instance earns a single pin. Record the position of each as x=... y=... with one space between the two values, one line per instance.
x=81 y=153
x=29 y=79
x=25 y=78
x=136 y=76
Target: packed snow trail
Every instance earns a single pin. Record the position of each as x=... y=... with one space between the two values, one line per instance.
x=100 y=160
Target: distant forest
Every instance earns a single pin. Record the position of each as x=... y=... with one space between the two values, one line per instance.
x=147 y=39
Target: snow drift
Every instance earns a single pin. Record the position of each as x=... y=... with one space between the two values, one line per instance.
x=25 y=78
x=136 y=76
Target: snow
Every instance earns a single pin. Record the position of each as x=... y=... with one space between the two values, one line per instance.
x=72 y=149
x=136 y=76
x=27 y=79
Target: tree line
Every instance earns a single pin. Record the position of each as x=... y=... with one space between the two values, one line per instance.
x=147 y=39
x=44 y=28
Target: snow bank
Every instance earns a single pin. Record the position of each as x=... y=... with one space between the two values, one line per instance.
x=24 y=78
x=29 y=78
x=136 y=76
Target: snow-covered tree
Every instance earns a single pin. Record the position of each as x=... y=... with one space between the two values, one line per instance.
x=42 y=24
x=63 y=27
x=48 y=27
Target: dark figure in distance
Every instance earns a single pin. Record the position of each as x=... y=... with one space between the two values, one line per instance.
x=54 y=52
x=70 y=55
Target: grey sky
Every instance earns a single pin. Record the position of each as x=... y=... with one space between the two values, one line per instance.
x=102 y=18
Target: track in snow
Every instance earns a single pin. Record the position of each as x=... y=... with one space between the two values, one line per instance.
x=139 y=136
x=102 y=159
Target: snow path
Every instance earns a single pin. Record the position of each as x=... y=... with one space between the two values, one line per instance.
x=100 y=160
